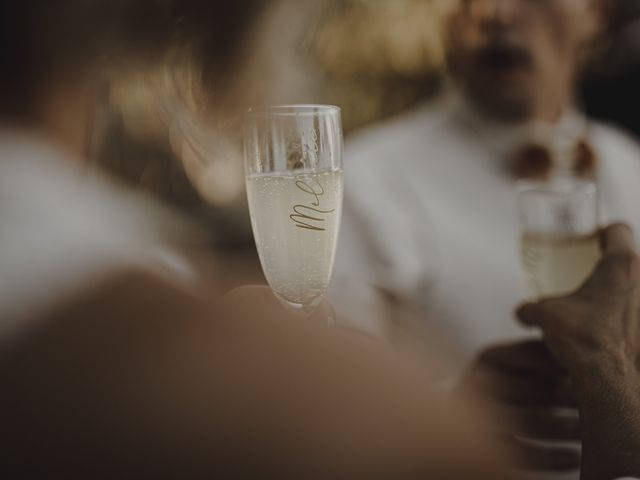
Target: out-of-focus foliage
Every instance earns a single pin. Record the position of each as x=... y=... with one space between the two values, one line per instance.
x=167 y=131
x=379 y=56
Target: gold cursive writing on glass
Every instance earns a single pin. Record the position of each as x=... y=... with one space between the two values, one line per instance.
x=310 y=216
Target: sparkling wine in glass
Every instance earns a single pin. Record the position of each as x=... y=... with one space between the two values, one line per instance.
x=295 y=186
x=560 y=245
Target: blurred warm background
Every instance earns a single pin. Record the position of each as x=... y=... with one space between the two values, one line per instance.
x=374 y=58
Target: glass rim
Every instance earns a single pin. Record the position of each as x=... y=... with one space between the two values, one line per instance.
x=293 y=110
x=565 y=185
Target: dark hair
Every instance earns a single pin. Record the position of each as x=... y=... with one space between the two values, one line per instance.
x=40 y=38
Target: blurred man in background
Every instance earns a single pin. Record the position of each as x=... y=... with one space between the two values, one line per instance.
x=430 y=224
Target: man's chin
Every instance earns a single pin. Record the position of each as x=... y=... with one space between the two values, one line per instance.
x=504 y=101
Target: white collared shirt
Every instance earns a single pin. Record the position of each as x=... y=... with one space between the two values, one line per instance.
x=430 y=221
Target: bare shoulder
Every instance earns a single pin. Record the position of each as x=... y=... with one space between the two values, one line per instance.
x=124 y=311
x=135 y=369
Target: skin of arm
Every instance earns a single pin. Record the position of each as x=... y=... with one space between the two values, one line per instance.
x=136 y=378
x=595 y=335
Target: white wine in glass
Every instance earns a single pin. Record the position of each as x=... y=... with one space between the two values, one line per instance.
x=295 y=189
x=558 y=265
x=560 y=246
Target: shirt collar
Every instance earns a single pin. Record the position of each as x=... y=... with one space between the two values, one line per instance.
x=503 y=138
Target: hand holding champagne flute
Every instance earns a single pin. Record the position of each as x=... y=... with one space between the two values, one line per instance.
x=560 y=246
x=295 y=186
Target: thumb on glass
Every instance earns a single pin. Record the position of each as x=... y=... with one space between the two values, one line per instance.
x=616 y=270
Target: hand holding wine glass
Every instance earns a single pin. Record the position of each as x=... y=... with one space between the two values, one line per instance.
x=559 y=241
x=595 y=334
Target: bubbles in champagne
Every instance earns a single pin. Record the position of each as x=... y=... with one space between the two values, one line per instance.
x=295 y=222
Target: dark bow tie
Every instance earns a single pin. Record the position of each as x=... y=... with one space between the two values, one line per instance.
x=535 y=161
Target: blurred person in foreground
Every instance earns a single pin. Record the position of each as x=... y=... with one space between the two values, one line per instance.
x=430 y=224
x=112 y=362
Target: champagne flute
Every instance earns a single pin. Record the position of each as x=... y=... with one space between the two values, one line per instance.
x=295 y=186
x=560 y=245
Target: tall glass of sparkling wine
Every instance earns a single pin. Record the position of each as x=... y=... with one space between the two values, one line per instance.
x=295 y=185
x=560 y=246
